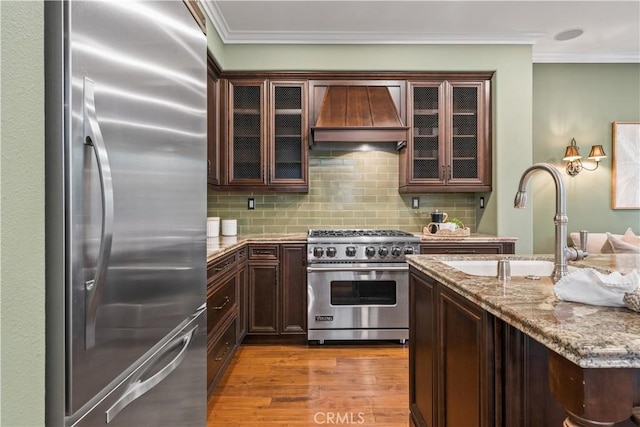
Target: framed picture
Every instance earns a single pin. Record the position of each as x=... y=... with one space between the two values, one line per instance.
x=625 y=182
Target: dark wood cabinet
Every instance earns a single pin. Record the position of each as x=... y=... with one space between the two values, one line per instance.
x=245 y=154
x=456 y=247
x=527 y=399
x=288 y=132
x=263 y=297
x=257 y=291
x=450 y=358
x=243 y=293
x=449 y=144
x=223 y=307
x=465 y=362
x=220 y=352
x=277 y=290
x=264 y=135
x=294 y=289
x=422 y=351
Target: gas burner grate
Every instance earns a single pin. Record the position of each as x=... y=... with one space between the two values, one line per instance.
x=358 y=233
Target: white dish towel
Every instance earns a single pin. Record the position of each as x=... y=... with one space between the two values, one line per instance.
x=588 y=286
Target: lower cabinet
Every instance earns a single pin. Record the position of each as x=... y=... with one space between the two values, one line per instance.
x=467 y=368
x=277 y=290
x=257 y=292
x=220 y=351
x=527 y=399
x=294 y=290
x=450 y=358
x=223 y=313
x=263 y=297
x=243 y=294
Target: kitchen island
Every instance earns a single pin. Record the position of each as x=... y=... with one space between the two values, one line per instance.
x=489 y=352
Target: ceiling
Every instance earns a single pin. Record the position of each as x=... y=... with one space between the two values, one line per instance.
x=611 y=28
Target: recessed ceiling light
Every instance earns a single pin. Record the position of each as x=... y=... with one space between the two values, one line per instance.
x=568 y=34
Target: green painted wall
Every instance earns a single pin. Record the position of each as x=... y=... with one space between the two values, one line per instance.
x=22 y=214
x=580 y=101
x=214 y=44
x=512 y=90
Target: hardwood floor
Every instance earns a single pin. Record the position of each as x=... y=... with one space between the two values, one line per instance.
x=300 y=385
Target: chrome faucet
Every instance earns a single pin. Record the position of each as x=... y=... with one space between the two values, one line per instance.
x=562 y=252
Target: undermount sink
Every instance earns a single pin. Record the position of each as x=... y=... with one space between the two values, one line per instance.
x=519 y=267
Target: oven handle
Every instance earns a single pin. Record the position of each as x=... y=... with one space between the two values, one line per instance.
x=346 y=268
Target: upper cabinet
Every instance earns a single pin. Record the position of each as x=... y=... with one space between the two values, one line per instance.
x=449 y=144
x=288 y=161
x=260 y=126
x=246 y=150
x=265 y=136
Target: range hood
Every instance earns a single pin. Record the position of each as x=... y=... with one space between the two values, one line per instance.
x=358 y=114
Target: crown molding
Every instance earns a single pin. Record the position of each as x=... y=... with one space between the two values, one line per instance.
x=229 y=37
x=302 y=37
x=593 y=58
x=214 y=15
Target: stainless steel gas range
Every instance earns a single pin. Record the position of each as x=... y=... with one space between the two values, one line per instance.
x=358 y=284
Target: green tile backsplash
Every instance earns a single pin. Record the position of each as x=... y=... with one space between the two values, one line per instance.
x=347 y=189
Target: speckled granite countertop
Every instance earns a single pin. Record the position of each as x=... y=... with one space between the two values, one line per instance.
x=473 y=238
x=590 y=336
x=219 y=246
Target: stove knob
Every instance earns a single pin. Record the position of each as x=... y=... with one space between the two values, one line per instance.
x=383 y=251
x=350 y=251
x=408 y=250
x=370 y=251
x=331 y=252
x=396 y=251
x=317 y=252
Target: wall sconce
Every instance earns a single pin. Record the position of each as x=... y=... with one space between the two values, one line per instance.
x=572 y=155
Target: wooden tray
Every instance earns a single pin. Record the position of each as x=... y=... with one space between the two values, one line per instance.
x=458 y=233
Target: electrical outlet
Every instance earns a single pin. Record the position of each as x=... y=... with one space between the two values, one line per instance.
x=251 y=203
x=415 y=202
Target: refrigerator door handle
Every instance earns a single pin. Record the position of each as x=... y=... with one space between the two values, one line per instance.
x=139 y=387
x=93 y=138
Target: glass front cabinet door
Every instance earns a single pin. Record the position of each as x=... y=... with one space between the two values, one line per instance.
x=267 y=135
x=449 y=148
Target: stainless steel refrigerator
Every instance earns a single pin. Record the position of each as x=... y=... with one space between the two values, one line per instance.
x=126 y=142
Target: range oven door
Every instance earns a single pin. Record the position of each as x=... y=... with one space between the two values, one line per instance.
x=357 y=297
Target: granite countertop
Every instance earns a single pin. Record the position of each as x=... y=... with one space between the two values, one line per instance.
x=473 y=238
x=222 y=245
x=590 y=336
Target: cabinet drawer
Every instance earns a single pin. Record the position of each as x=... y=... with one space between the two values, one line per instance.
x=220 y=302
x=242 y=255
x=263 y=252
x=220 y=266
x=219 y=353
